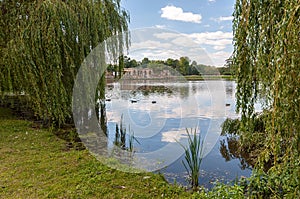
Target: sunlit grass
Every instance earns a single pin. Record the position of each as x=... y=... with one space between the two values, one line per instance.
x=34 y=163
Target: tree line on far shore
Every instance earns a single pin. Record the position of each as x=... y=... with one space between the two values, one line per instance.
x=183 y=65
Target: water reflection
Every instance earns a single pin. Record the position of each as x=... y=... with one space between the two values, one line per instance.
x=124 y=138
x=230 y=149
x=147 y=127
x=127 y=88
x=229 y=86
x=152 y=89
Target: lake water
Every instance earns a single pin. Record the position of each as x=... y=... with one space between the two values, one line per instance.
x=154 y=115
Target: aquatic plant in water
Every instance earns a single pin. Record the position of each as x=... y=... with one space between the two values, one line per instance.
x=120 y=137
x=193 y=156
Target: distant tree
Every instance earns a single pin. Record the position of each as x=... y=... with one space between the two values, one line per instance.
x=145 y=61
x=193 y=68
x=228 y=62
x=129 y=63
x=158 y=62
x=174 y=63
x=133 y=63
x=184 y=65
x=170 y=62
x=224 y=71
x=227 y=68
x=194 y=63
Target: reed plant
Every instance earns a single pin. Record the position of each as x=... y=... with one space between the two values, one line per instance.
x=193 y=157
x=132 y=138
x=123 y=139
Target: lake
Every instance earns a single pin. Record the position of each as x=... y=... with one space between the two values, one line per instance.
x=150 y=118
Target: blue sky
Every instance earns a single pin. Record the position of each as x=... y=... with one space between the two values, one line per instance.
x=208 y=23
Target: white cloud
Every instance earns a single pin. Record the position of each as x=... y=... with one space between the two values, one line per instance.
x=219 y=40
x=221 y=54
x=160 y=26
x=166 y=35
x=173 y=136
x=177 y=13
x=219 y=47
x=222 y=18
x=184 y=42
x=220 y=57
x=229 y=18
x=158 y=55
x=211 y=0
x=211 y=48
x=212 y=35
x=150 y=44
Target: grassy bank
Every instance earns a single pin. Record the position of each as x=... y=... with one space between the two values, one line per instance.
x=34 y=163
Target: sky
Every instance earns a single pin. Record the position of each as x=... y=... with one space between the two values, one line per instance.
x=205 y=24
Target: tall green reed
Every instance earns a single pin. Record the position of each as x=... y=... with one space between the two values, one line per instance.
x=123 y=139
x=193 y=157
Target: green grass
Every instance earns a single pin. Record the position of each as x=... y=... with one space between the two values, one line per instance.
x=34 y=163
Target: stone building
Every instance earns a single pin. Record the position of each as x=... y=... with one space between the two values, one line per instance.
x=145 y=73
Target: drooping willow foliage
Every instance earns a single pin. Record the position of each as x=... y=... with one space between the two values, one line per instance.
x=43 y=44
x=267 y=62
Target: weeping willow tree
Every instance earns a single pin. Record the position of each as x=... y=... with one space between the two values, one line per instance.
x=45 y=44
x=267 y=63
